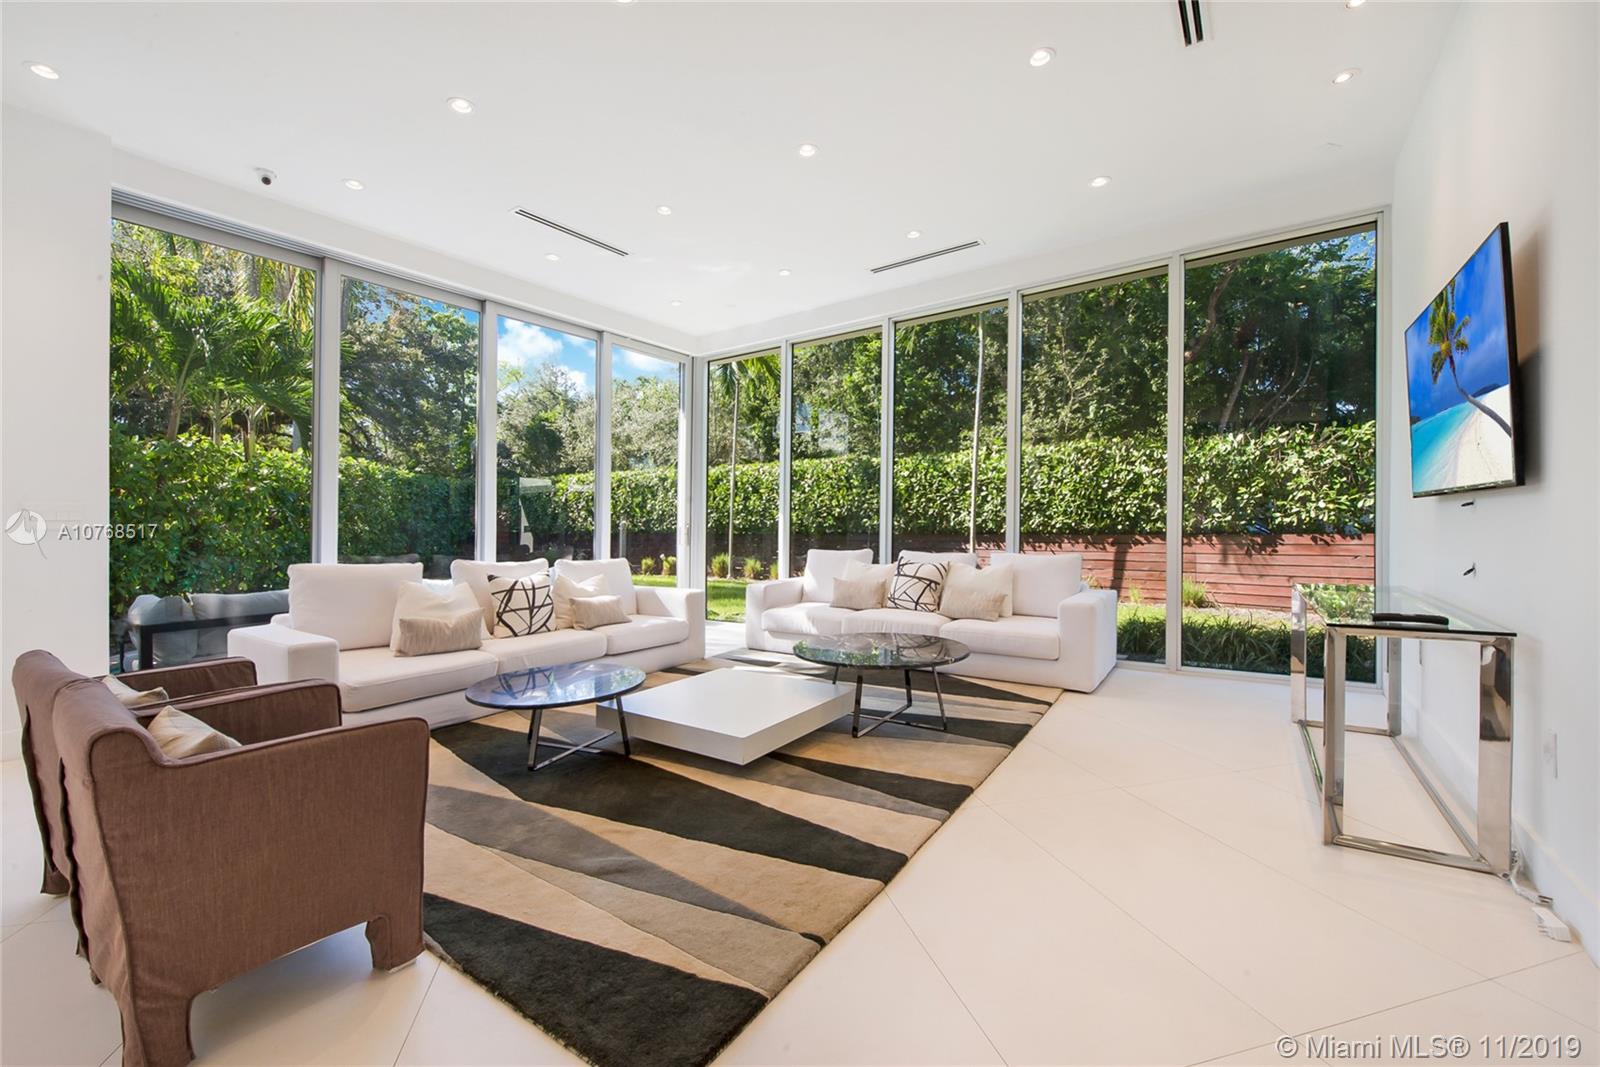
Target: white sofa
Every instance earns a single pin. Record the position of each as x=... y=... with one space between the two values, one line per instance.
x=340 y=615
x=1061 y=633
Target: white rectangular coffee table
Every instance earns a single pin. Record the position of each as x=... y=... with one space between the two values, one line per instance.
x=731 y=714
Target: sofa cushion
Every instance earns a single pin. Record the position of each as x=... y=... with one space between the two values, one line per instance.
x=353 y=603
x=618 y=572
x=971 y=580
x=565 y=591
x=644 y=631
x=949 y=559
x=1040 y=582
x=894 y=621
x=1022 y=636
x=438 y=600
x=810 y=618
x=823 y=565
x=376 y=677
x=180 y=736
x=474 y=574
x=545 y=650
x=213 y=641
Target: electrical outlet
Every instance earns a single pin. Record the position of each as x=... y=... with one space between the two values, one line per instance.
x=1549 y=749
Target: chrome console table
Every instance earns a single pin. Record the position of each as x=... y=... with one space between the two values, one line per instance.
x=1388 y=615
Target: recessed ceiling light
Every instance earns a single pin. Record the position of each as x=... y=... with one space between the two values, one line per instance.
x=913 y=234
x=552 y=257
x=624 y=1
x=784 y=272
x=1353 y=4
x=45 y=71
x=663 y=209
x=677 y=303
x=460 y=105
x=1345 y=75
x=808 y=150
x=1041 y=56
x=354 y=183
x=1100 y=182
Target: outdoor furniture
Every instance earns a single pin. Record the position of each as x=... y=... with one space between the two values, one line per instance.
x=38 y=678
x=863 y=652
x=173 y=630
x=540 y=688
x=187 y=873
x=1393 y=614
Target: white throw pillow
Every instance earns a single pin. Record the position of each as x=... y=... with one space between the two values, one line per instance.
x=180 y=736
x=916 y=586
x=1040 y=582
x=523 y=605
x=855 y=569
x=131 y=697
x=618 y=574
x=353 y=603
x=970 y=581
x=823 y=565
x=430 y=600
x=565 y=590
x=949 y=559
x=474 y=574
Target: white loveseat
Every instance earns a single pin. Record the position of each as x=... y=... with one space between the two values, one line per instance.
x=1061 y=633
x=340 y=617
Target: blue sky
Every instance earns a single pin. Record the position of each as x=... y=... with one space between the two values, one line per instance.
x=1480 y=286
x=525 y=346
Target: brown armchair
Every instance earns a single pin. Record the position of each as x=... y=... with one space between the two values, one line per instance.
x=186 y=873
x=37 y=678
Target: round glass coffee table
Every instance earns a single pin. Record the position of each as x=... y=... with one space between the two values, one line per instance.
x=885 y=652
x=539 y=688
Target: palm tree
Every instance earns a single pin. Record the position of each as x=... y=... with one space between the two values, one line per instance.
x=1447 y=336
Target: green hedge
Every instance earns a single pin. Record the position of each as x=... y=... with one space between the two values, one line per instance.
x=226 y=524
x=1233 y=640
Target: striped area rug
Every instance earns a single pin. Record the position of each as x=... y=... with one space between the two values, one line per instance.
x=642 y=911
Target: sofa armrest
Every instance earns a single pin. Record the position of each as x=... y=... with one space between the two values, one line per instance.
x=192 y=679
x=268 y=712
x=284 y=655
x=758 y=597
x=671 y=601
x=1088 y=637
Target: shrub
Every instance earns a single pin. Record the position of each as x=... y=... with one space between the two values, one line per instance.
x=647 y=565
x=1236 y=640
x=719 y=565
x=753 y=568
x=1194 y=594
x=669 y=565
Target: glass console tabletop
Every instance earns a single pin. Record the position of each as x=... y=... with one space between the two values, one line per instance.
x=1354 y=607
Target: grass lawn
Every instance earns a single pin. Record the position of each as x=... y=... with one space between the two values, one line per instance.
x=724 y=596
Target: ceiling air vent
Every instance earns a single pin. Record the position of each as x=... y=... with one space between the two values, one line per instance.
x=1194 y=31
x=569 y=231
x=935 y=254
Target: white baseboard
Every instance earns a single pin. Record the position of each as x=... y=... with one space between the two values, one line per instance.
x=1576 y=903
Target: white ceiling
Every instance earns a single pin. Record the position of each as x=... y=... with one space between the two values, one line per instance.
x=927 y=116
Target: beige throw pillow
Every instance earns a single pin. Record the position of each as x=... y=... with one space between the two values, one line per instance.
x=971 y=604
x=180 y=736
x=437 y=599
x=429 y=635
x=131 y=697
x=967 y=579
x=859 y=594
x=566 y=590
x=592 y=612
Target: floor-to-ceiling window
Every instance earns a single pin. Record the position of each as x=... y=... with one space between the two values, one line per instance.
x=833 y=482
x=1094 y=448
x=950 y=431
x=408 y=368
x=646 y=406
x=743 y=404
x=545 y=449
x=211 y=381
x=1279 y=455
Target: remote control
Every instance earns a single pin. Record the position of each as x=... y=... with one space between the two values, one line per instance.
x=1416 y=617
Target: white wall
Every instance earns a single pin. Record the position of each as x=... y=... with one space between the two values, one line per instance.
x=1509 y=129
x=55 y=203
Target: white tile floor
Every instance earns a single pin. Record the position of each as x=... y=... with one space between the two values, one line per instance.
x=1140 y=882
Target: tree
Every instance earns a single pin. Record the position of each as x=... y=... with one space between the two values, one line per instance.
x=1447 y=335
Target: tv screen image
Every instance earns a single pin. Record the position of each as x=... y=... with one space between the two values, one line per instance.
x=1461 y=379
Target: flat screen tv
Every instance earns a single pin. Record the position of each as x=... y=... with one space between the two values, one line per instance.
x=1461 y=379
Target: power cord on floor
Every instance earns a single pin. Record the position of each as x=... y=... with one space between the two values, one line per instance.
x=1550 y=924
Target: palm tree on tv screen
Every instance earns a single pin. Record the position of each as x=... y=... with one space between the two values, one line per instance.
x=1447 y=336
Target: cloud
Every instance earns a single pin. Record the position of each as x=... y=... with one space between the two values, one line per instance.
x=641 y=363
x=523 y=344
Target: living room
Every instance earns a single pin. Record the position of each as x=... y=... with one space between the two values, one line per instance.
x=1014 y=533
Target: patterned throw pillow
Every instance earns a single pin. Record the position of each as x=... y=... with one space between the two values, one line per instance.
x=916 y=586
x=523 y=605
